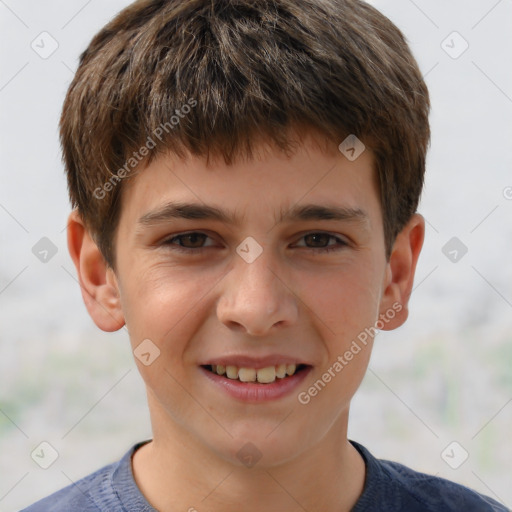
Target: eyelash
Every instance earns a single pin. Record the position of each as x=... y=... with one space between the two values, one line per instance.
x=198 y=250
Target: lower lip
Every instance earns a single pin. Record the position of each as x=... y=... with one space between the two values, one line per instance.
x=255 y=392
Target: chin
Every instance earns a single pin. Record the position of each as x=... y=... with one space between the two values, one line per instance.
x=260 y=446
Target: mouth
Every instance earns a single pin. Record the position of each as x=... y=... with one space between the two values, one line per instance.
x=266 y=375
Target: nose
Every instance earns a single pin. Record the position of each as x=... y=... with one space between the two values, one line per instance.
x=257 y=297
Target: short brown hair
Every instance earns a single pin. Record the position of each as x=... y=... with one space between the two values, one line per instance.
x=244 y=70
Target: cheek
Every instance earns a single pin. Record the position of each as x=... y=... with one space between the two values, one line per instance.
x=344 y=301
x=164 y=304
x=155 y=293
x=165 y=315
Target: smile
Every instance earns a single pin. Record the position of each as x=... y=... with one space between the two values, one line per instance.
x=266 y=375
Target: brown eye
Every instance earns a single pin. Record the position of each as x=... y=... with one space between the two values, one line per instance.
x=319 y=241
x=187 y=242
x=195 y=239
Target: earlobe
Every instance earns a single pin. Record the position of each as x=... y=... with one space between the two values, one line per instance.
x=98 y=282
x=400 y=273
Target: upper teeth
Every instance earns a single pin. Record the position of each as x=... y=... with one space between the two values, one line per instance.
x=263 y=375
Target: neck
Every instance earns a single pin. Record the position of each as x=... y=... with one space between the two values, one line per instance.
x=176 y=472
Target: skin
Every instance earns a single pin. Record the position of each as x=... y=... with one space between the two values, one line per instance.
x=292 y=300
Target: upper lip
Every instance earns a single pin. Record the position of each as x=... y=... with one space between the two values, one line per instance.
x=243 y=361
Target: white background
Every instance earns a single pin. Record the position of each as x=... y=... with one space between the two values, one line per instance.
x=445 y=376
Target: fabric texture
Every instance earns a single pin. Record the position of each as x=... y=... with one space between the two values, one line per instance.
x=389 y=487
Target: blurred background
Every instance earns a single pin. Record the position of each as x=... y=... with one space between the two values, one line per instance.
x=438 y=394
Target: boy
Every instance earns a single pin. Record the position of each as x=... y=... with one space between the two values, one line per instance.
x=209 y=147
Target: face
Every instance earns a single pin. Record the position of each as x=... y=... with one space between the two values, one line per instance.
x=279 y=266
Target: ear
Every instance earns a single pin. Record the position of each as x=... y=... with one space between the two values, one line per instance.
x=400 y=274
x=98 y=282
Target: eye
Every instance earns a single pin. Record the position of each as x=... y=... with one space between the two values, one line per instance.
x=194 y=239
x=319 y=239
x=193 y=242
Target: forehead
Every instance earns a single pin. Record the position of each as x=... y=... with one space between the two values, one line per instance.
x=291 y=186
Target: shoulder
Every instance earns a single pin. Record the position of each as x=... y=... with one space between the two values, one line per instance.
x=436 y=493
x=397 y=487
x=85 y=495
x=110 y=488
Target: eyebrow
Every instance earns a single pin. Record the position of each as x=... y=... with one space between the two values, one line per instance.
x=194 y=211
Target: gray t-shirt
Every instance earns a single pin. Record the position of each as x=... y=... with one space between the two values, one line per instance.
x=389 y=487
